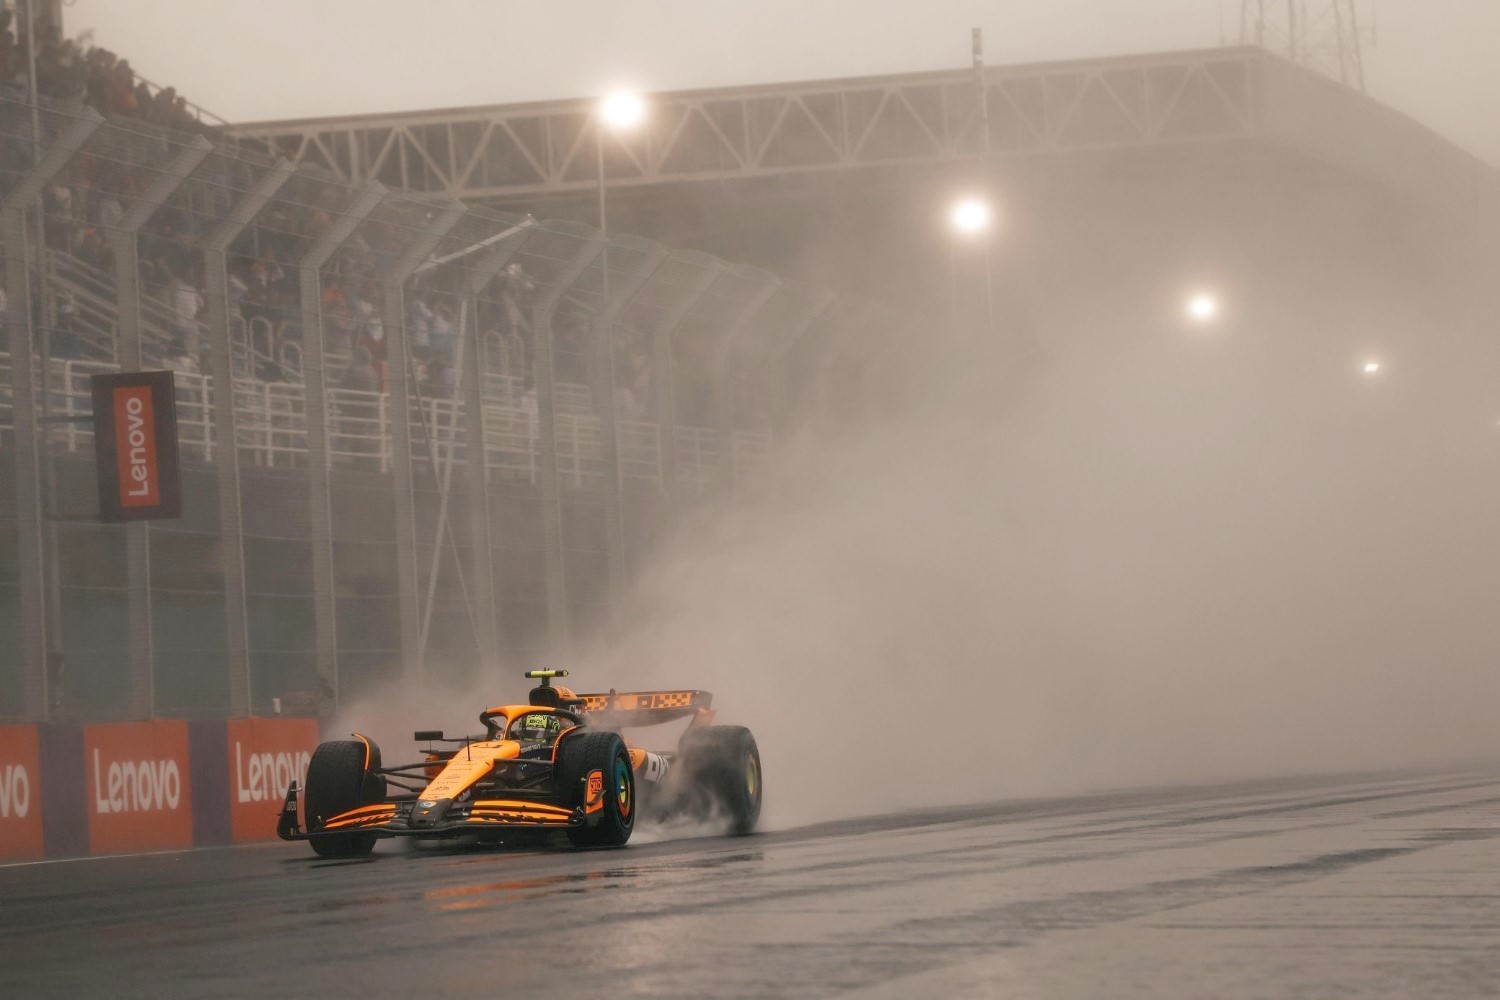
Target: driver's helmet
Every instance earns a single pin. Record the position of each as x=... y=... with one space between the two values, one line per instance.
x=535 y=727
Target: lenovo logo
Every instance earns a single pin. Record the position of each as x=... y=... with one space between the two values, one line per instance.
x=136 y=786
x=263 y=757
x=135 y=447
x=261 y=777
x=15 y=792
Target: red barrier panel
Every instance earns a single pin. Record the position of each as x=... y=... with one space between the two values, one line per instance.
x=265 y=755
x=139 y=795
x=20 y=794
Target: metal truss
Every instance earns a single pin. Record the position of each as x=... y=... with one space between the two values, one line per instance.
x=527 y=150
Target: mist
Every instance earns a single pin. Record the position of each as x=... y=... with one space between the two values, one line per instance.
x=1153 y=559
x=1131 y=554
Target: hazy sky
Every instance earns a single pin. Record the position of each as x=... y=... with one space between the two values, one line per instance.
x=301 y=58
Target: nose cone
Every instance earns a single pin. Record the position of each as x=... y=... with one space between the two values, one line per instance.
x=430 y=812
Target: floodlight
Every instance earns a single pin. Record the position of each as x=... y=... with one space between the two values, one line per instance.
x=622 y=110
x=1203 y=307
x=970 y=216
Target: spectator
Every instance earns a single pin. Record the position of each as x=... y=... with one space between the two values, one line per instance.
x=358 y=411
x=515 y=297
x=626 y=405
x=186 y=303
x=66 y=71
x=93 y=250
x=108 y=212
x=371 y=330
x=435 y=384
x=442 y=330
x=511 y=359
x=179 y=359
x=64 y=343
x=419 y=323
x=361 y=375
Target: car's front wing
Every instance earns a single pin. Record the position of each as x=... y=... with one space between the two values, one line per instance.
x=413 y=818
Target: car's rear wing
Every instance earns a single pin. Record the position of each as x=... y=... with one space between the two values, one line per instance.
x=645 y=708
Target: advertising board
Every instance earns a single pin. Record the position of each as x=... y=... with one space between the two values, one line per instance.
x=135 y=446
x=20 y=794
x=265 y=755
x=136 y=777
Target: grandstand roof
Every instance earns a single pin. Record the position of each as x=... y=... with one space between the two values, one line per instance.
x=1136 y=101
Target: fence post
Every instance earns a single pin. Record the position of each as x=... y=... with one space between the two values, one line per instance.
x=226 y=430
x=723 y=374
x=128 y=349
x=315 y=405
x=69 y=407
x=546 y=404
x=270 y=452
x=476 y=448
x=19 y=266
x=398 y=378
x=666 y=381
x=604 y=384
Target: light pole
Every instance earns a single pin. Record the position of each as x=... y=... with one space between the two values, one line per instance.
x=970 y=218
x=619 y=112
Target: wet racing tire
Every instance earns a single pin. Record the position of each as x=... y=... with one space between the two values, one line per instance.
x=722 y=763
x=339 y=778
x=577 y=756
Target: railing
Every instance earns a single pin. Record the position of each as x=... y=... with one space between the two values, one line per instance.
x=272 y=430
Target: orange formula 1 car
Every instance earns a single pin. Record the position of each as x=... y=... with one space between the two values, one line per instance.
x=557 y=762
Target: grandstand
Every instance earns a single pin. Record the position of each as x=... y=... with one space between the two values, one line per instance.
x=372 y=338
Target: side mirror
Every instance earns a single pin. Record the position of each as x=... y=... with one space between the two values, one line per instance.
x=427 y=735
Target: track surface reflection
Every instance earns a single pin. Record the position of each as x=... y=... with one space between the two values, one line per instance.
x=1373 y=886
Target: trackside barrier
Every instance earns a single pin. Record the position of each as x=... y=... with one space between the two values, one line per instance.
x=68 y=790
x=264 y=756
x=138 y=793
x=20 y=794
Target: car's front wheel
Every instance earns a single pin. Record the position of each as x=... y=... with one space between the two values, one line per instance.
x=578 y=757
x=341 y=776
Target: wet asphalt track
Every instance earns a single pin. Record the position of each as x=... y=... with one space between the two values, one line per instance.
x=1368 y=887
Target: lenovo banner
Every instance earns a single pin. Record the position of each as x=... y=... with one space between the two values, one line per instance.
x=20 y=794
x=135 y=446
x=137 y=780
x=265 y=756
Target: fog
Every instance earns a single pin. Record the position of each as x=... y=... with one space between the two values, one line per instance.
x=1112 y=549
x=1135 y=571
x=1167 y=554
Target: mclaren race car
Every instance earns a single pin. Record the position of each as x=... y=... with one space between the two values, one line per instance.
x=557 y=762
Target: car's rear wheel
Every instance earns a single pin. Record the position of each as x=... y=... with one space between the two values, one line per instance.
x=341 y=776
x=577 y=757
x=722 y=764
